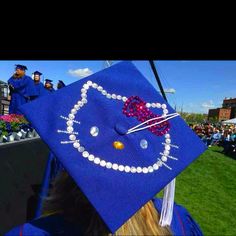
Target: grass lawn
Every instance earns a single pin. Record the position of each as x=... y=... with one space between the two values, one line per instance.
x=207 y=188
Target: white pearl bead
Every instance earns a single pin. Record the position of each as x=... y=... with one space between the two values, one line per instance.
x=127 y=169
x=108 y=165
x=153 y=104
x=76 y=107
x=71 y=117
x=80 y=103
x=155 y=166
x=165 y=111
x=70 y=129
x=69 y=123
x=85 y=86
x=83 y=90
x=167 y=147
x=91 y=157
x=99 y=88
x=158 y=105
x=94 y=85
x=163 y=106
x=89 y=83
x=166 y=152
x=148 y=105
x=76 y=145
x=164 y=158
x=115 y=166
x=150 y=169
x=103 y=163
x=168 y=140
x=97 y=160
x=72 y=137
x=85 y=154
x=108 y=95
x=145 y=170
x=119 y=97
x=121 y=168
x=83 y=95
x=84 y=100
x=73 y=111
x=124 y=99
x=81 y=149
x=139 y=169
x=104 y=92
x=133 y=170
x=113 y=96
x=167 y=136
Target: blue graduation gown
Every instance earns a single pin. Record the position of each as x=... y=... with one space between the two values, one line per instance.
x=182 y=224
x=24 y=89
x=40 y=89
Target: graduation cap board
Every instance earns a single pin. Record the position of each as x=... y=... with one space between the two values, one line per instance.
x=117 y=137
x=37 y=73
x=21 y=67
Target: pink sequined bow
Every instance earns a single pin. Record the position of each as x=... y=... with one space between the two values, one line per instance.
x=136 y=107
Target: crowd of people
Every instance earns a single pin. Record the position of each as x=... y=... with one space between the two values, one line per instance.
x=221 y=135
x=24 y=89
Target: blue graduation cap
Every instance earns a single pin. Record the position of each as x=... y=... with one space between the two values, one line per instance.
x=117 y=137
x=61 y=83
x=48 y=81
x=37 y=73
x=21 y=67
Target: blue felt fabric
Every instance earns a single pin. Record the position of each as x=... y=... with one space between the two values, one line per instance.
x=116 y=195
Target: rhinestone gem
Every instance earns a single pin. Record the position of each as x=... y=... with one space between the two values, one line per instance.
x=143 y=144
x=94 y=131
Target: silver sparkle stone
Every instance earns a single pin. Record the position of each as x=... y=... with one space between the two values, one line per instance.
x=94 y=131
x=143 y=144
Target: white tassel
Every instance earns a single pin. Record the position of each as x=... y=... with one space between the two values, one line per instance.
x=167 y=204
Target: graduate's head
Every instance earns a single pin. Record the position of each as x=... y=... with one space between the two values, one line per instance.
x=119 y=140
x=36 y=76
x=60 y=84
x=48 y=84
x=20 y=70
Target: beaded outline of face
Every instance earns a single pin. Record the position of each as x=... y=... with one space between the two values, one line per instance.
x=73 y=139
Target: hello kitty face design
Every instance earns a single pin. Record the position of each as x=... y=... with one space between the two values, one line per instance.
x=133 y=107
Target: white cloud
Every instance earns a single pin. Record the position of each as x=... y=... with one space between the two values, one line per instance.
x=170 y=90
x=80 y=72
x=208 y=104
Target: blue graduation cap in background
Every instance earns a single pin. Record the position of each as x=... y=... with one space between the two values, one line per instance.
x=37 y=73
x=48 y=81
x=117 y=137
x=21 y=67
x=60 y=84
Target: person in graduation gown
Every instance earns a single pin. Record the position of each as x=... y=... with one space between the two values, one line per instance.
x=39 y=87
x=112 y=168
x=60 y=84
x=48 y=85
x=22 y=89
x=68 y=212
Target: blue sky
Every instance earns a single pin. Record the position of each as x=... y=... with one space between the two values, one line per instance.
x=197 y=85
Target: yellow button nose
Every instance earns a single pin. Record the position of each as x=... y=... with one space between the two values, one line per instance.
x=118 y=145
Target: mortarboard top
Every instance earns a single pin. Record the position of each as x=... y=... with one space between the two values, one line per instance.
x=48 y=81
x=37 y=73
x=118 y=172
x=61 y=83
x=21 y=67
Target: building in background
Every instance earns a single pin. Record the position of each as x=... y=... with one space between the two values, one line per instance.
x=4 y=98
x=226 y=112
